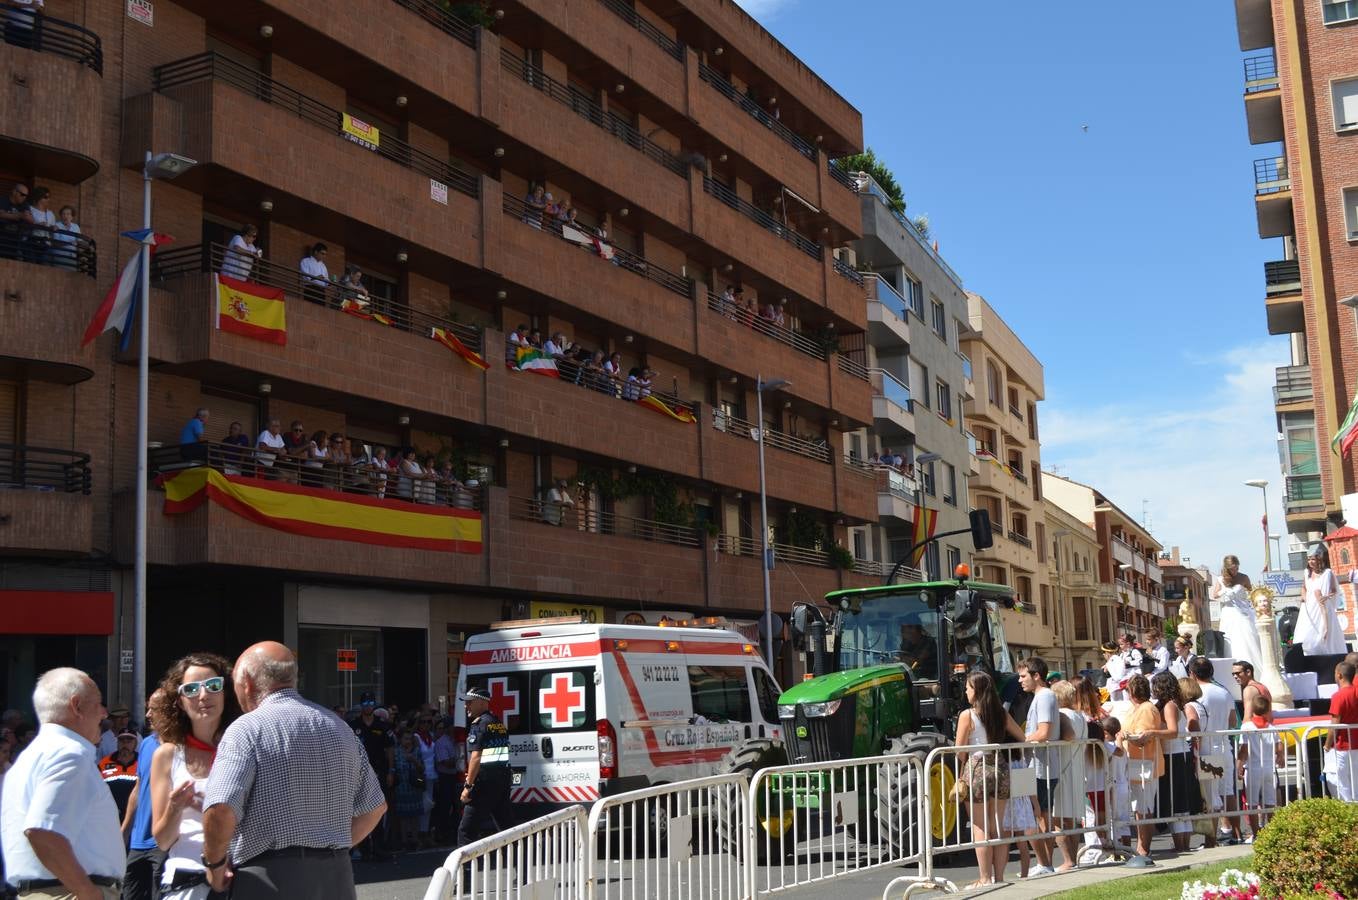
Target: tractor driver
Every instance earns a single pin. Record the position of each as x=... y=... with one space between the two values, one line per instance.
x=917 y=649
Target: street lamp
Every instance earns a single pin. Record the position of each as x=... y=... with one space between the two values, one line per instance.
x=162 y=166
x=1263 y=486
x=760 y=386
x=1061 y=601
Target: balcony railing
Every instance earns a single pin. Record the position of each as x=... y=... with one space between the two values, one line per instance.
x=841 y=175
x=1303 y=491
x=214 y=67
x=1282 y=276
x=43 y=469
x=46 y=34
x=860 y=467
x=358 y=477
x=881 y=290
x=875 y=190
x=1292 y=384
x=587 y=108
x=574 y=519
x=736 y=545
x=811 y=448
x=728 y=90
x=852 y=367
x=443 y=19
x=647 y=28
x=72 y=252
x=1270 y=176
x=1015 y=412
x=897 y=484
x=844 y=270
x=985 y=448
x=884 y=384
x=767 y=222
x=180 y=262
x=794 y=339
x=1017 y=472
x=581 y=236
x=1261 y=73
x=1021 y=539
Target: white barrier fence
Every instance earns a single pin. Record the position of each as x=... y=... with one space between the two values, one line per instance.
x=1335 y=773
x=545 y=859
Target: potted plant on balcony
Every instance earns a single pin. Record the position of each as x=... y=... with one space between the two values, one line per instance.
x=840 y=557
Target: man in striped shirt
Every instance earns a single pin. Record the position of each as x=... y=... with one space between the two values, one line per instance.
x=290 y=793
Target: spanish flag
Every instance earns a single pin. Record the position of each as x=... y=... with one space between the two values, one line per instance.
x=926 y=520
x=678 y=413
x=251 y=310
x=314 y=512
x=449 y=340
x=355 y=309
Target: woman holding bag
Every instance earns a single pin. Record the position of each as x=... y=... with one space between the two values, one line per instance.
x=985 y=778
x=1145 y=761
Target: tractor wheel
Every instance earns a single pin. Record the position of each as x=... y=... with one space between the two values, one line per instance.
x=749 y=757
x=897 y=795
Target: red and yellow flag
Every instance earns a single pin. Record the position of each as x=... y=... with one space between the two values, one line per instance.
x=319 y=513
x=251 y=310
x=355 y=309
x=926 y=520
x=449 y=340
x=678 y=413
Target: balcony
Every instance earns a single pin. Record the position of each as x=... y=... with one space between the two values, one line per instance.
x=817 y=450
x=50 y=107
x=1303 y=492
x=897 y=495
x=1273 y=197
x=797 y=468
x=850 y=394
x=43 y=313
x=797 y=571
x=1281 y=277
x=896 y=232
x=1123 y=552
x=888 y=321
x=892 y=408
x=1263 y=99
x=1282 y=297
x=763 y=219
x=847 y=272
x=45 y=503
x=1254 y=23
x=1021 y=539
x=757 y=323
x=1292 y=385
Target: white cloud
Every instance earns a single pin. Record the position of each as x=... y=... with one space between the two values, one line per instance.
x=1187 y=451
x=764 y=9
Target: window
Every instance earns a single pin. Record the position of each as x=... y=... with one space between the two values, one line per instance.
x=919 y=383
x=860 y=543
x=994 y=387
x=1014 y=403
x=926 y=472
x=1336 y=11
x=1080 y=606
x=1045 y=601
x=931 y=562
x=720 y=693
x=944 y=397
x=1300 y=431
x=1032 y=421
x=1040 y=540
x=949 y=483
x=940 y=319
x=954 y=558
x=1351 y=212
x=914 y=295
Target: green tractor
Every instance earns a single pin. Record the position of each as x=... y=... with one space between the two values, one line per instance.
x=888 y=669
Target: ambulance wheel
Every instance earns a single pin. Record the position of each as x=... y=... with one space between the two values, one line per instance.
x=898 y=796
x=749 y=757
x=650 y=839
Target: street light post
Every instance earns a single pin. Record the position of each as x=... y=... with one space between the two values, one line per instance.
x=760 y=386
x=163 y=166
x=1062 y=604
x=1263 y=486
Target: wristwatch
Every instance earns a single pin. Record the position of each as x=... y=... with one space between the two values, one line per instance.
x=468 y=785
x=211 y=865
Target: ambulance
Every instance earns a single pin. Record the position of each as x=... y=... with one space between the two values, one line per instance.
x=597 y=709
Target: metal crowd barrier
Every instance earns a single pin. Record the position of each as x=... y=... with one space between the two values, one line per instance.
x=544 y=858
x=1334 y=773
x=683 y=840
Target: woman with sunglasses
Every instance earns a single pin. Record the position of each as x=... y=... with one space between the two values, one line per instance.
x=194 y=705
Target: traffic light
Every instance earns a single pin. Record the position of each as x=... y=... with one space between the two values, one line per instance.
x=981 y=537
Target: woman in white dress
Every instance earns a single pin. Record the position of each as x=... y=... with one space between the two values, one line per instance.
x=1318 y=628
x=1232 y=590
x=194 y=705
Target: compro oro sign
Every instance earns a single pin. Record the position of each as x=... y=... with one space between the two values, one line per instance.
x=545 y=609
x=360 y=132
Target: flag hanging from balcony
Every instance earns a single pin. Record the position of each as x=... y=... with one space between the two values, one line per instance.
x=677 y=412
x=926 y=520
x=320 y=513
x=1347 y=432
x=531 y=359
x=358 y=309
x=449 y=340
x=120 y=303
x=251 y=310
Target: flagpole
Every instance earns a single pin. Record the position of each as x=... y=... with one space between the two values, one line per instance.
x=143 y=389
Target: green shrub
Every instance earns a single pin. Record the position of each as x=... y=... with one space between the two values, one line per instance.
x=1307 y=843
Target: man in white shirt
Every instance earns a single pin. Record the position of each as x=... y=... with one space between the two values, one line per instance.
x=270 y=444
x=558 y=498
x=1221 y=716
x=315 y=275
x=1043 y=724
x=1154 y=643
x=1183 y=657
x=1115 y=667
x=58 y=821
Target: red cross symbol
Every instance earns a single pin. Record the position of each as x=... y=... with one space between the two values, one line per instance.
x=563 y=699
x=503 y=702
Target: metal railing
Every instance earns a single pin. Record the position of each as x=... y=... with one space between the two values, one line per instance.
x=882 y=291
x=1021 y=539
x=23 y=467
x=582 y=236
x=45 y=247
x=546 y=857
x=729 y=91
x=584 y=375
x=1261 y=73
x=736 y=545
x=1017 y=472
x=1292 y=384
x=840 y=175
x=215 y=67
x=646 y=27
x=752 y=319
x=1282 y=276
x=587 y=108
x=888 y=386
x=299 y=467
x=845 y=270
x=860 y=467
x=875 y=190
x=899 y=484
x=46 y=34
x=852 y=367
x=443 y=19
x=767 y=222
x=817 y=449
x=179 y=262
x=575 y=519
x=1270 y=176
x=1303 y=490
x=1015 y=411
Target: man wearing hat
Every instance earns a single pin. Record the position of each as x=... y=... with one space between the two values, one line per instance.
x=485 y=793
x=119 y=770
x=374 y=733
x=114 y=725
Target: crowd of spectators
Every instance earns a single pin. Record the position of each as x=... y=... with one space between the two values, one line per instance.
x=732 y=304
x=31 y=231
x=594 y=369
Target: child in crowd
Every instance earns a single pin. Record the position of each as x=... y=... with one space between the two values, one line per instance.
x=1120 y=815
x=1258 y=760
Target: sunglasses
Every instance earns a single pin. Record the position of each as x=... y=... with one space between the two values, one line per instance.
x=192 y=689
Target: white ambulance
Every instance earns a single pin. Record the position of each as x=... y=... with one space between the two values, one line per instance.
x=594 y=710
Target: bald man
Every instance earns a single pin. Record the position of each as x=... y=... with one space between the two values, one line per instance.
x=290 y=793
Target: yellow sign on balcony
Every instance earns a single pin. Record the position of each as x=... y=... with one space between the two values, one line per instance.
x=360 y=132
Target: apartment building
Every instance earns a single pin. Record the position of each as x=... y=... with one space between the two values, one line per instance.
x=1128 y=561
x=696 y=151
x=1002 y=415
x=1082 y=605
x=1301 y=105
x=1183 y=581
x=917 y=317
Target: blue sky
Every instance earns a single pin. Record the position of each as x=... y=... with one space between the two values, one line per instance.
x=1126 y=256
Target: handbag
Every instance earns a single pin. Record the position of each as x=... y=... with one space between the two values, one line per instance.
x=1141 y=770
x=1212 y=766
x=1022 y=782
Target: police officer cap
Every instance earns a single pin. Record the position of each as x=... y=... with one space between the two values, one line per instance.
x=476 y=693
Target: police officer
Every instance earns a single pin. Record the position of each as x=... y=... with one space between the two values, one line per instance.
x=485 y=795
